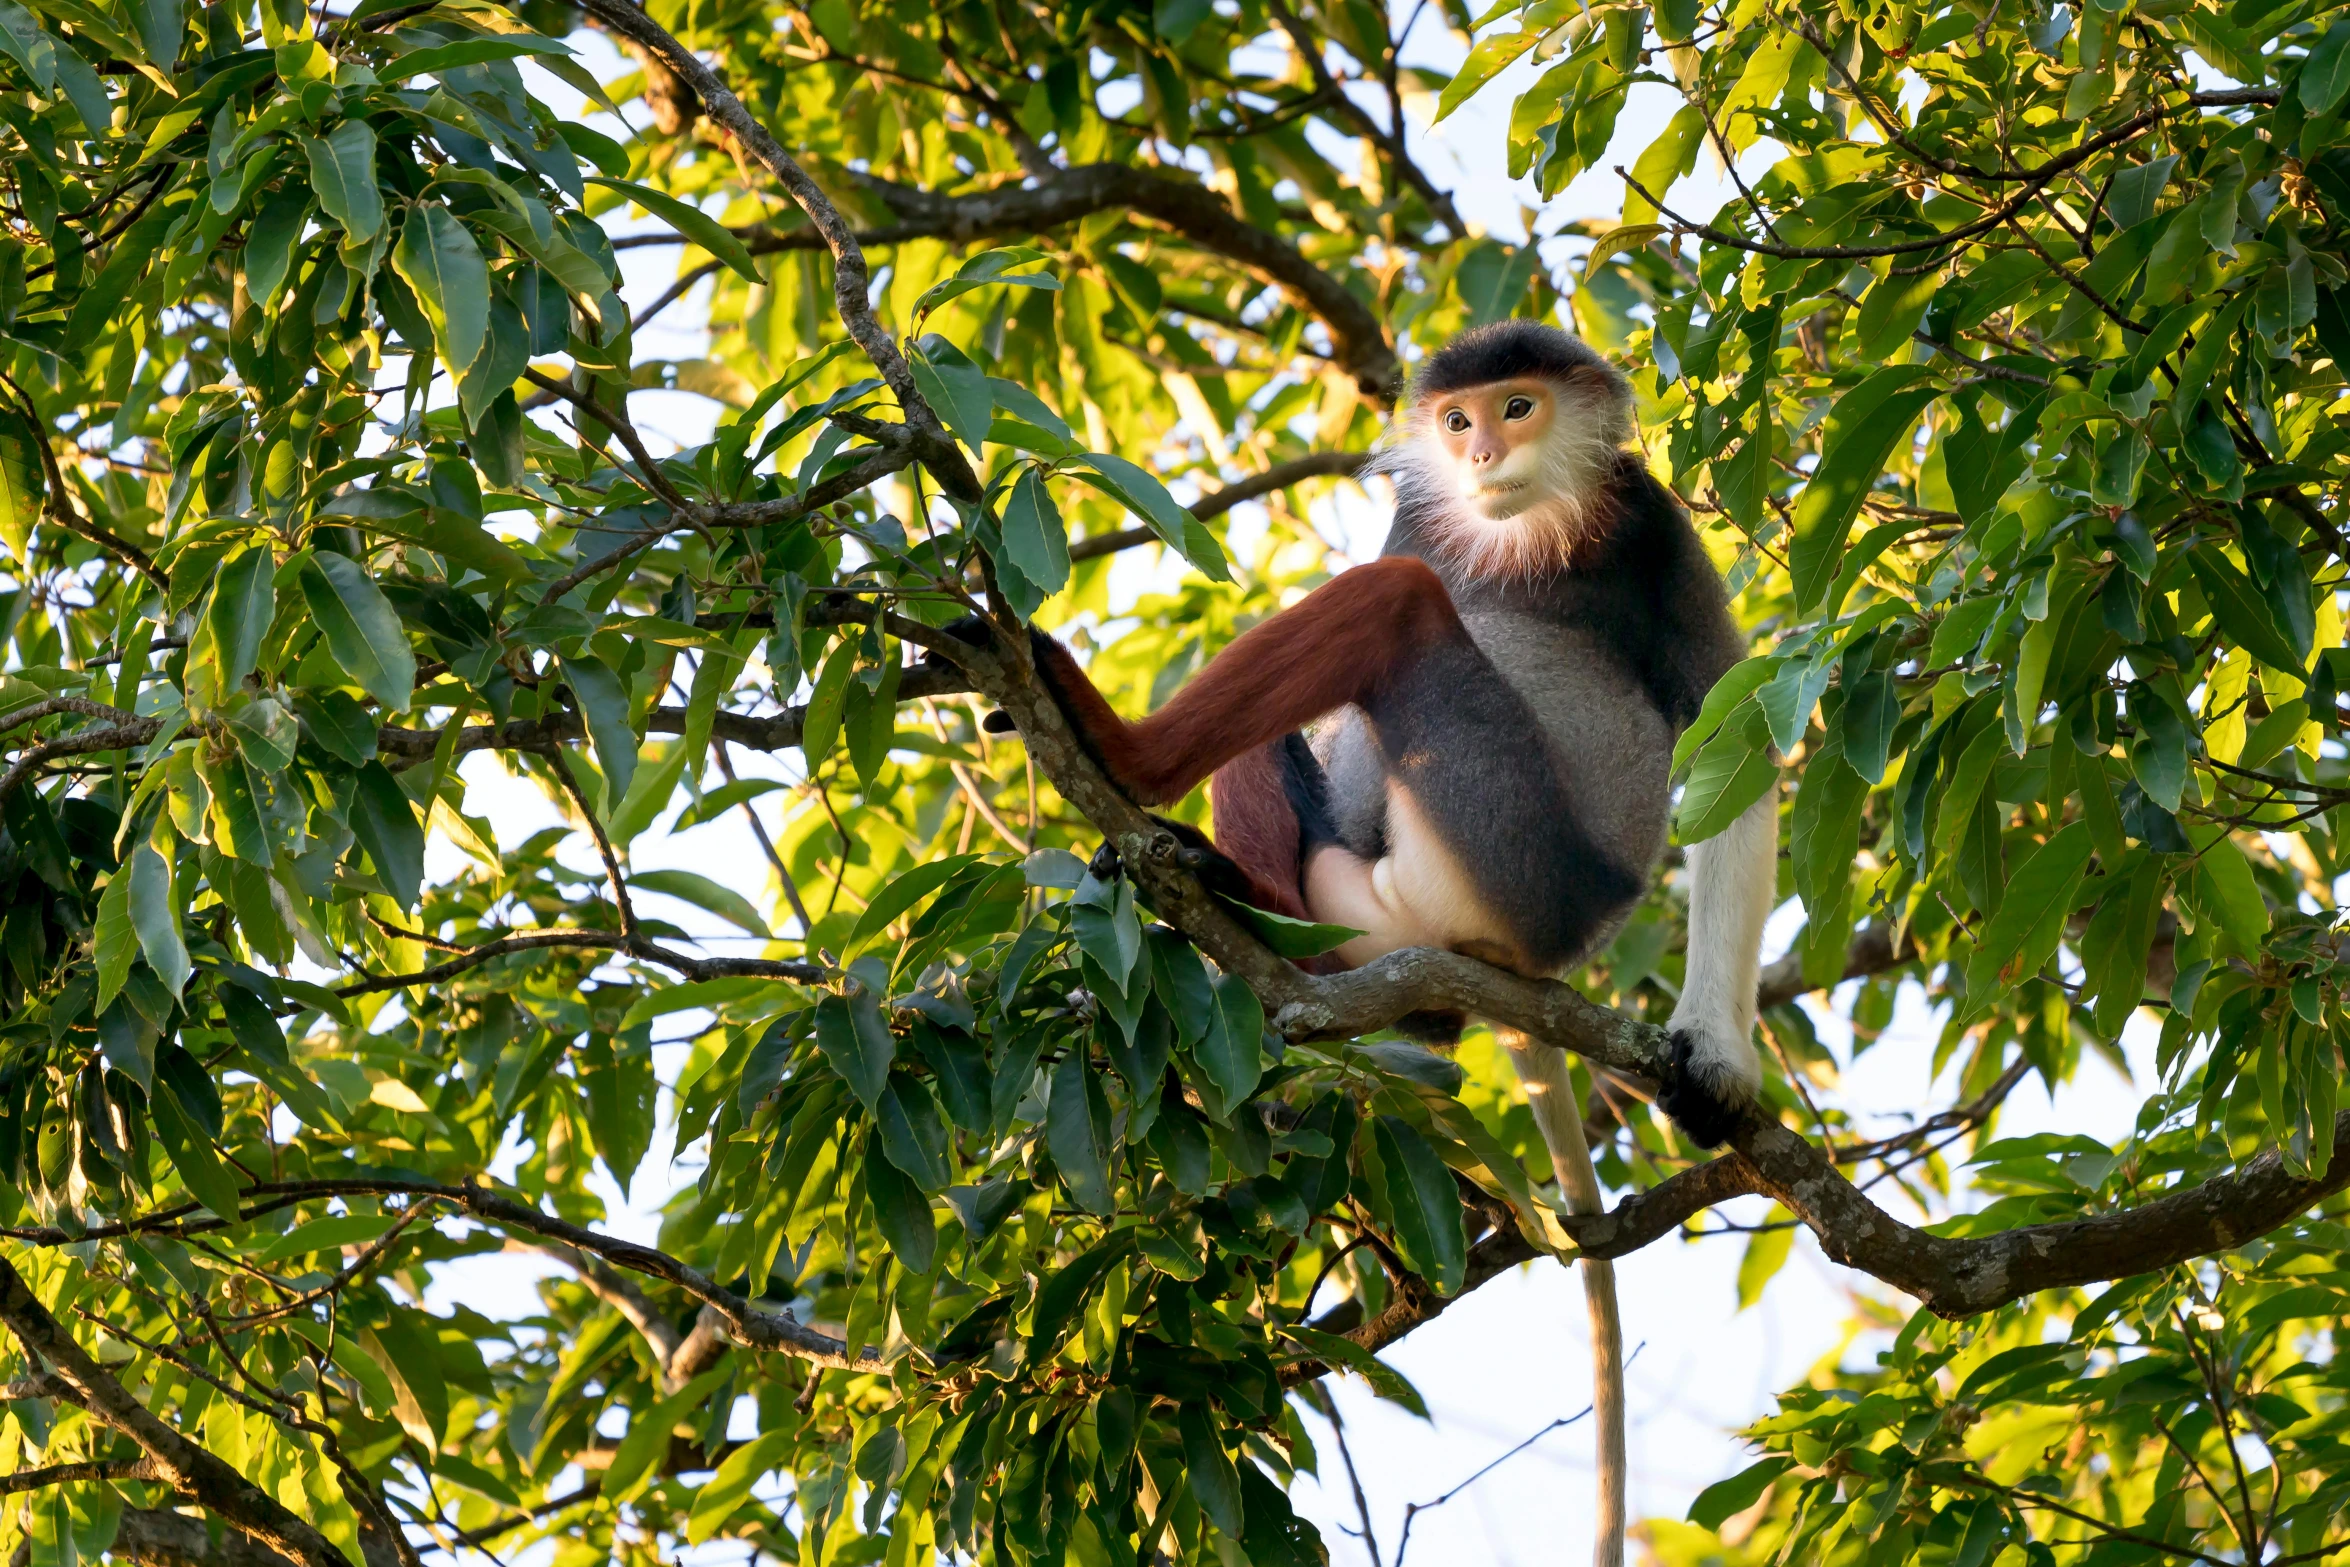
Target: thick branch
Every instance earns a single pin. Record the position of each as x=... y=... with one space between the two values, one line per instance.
x=62 y=1474
x=188 y=1467
x=1959 y=1277
x=158 y=1537
x=1190 y=209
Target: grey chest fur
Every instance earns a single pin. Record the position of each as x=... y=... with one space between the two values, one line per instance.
x=1610 y=747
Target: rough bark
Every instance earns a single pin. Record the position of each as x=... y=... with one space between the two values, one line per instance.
x=1189 y=208
x=186 y=1466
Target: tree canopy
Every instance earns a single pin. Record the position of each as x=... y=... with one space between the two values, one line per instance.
x=1021 y=1210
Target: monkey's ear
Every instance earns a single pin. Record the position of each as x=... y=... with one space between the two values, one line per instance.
x=998 y=722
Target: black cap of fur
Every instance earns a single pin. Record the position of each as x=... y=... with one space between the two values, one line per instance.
x=1507 y=351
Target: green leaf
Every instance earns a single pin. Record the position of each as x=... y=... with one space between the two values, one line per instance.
x=342 y=171
x=856 y=1043
x=1215 y=1484
x=913 y=1136
x=1718 y=1503
x=1665 y=160
x=22 y=40
x=1766 y=1253
x=2325 y=74
x=2242 y=610
x=1492 y=280
x=117 y=939
x=1891 y=310
x=1862 y=432
x=1077 y=1131
x=820 y=727
x=730 y=1487
x=1231 y=1052
x=336 y=722
x=1140 y=492
x=1426 y=1205
x=1735 y=686
x=705 y=894
x=244 y=603
x=901 y=895
x=354 y=1229
x=361 y=629
x=902 y=1212
x=1034 y=535
x=22 y=485
x=1275 y=1536
x=1293 y=938
x=271 y=241
x=603 y=702
x=155 y=915
x=1491 y=55
x=384 y=822
x=200 y=1169
x=2031 y=916
x=406 y=1345
x=1622 y=240
x=635 y=1461
x=986 y=268
x=438 y=259
x=689 y=220
x=266 y=1056
x=437 y=59
x=1347 y=1355
x=1732 y=772
x=2224 y=888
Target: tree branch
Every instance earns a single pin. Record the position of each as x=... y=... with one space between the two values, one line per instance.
x=1313 y=465
x=1186 y=206
x=852 y=281
x=189 y=1468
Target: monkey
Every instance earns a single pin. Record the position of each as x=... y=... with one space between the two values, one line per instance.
x=1493 y=705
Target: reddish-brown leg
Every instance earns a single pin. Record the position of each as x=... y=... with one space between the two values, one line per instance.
x=1346 y=639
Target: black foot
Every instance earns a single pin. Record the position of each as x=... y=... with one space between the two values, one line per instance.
x=1105 y=866
x=998 y=722
x=1705 y=1116
x=1438 y=1030
x=1307 y=789
x=971 y=629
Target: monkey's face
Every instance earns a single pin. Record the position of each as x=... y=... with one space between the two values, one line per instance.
x=1493 y=438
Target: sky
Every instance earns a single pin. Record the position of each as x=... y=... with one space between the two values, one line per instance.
x=1512 y=1358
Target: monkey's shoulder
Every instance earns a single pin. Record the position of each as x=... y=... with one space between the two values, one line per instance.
x=1652 y=603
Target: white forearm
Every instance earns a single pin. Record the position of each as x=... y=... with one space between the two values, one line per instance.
x=1733 y=884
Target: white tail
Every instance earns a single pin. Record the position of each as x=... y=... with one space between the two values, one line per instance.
x=1559 y=1115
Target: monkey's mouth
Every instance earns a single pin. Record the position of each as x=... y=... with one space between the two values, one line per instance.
x=1500 y=499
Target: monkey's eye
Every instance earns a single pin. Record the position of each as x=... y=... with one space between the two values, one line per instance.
x=1455 y=420
x=1518 y=408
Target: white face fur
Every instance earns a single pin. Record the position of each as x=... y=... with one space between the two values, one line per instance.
x=1513 y=474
